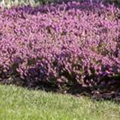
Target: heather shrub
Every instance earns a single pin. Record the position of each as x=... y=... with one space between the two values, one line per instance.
x=61 y=44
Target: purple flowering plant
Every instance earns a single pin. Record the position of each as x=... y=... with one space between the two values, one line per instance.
x=62 y=44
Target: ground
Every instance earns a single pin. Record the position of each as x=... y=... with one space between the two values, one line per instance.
x=21 y=104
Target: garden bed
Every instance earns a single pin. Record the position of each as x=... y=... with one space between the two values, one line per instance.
x=62 y=45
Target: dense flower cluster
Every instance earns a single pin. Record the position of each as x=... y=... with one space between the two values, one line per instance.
x=68 y=43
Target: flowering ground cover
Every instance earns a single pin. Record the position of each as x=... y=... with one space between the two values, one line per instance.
x=68 y=44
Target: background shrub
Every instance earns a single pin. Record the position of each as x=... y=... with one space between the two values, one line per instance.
x=9 y=3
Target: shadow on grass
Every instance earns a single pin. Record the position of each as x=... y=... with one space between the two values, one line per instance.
x=108 y=92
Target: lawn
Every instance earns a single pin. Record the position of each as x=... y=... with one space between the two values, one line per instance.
x=21 y=104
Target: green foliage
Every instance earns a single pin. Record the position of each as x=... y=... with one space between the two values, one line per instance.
x=116 y=2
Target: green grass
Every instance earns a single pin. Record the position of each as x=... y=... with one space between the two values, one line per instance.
x=22 y=104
